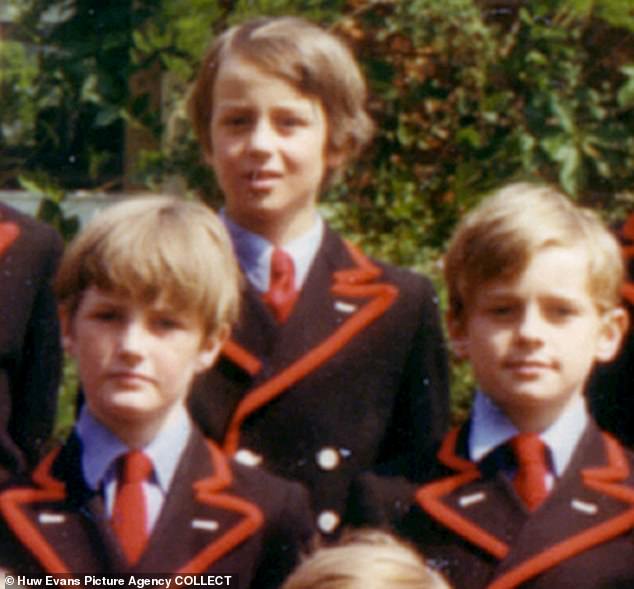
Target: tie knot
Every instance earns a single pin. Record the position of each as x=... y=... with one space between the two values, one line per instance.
x=528 y=449
x=282 y=293
x=281 y=265
x=136 y=467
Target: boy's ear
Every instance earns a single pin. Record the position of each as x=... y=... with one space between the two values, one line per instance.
x=210 y=348
x=66 y=327
x=458 y=337
x=614 y=325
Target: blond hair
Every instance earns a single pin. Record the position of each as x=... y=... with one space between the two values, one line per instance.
x=366 y=559
x=498 y=238
x=314 y=61
x=156 y=247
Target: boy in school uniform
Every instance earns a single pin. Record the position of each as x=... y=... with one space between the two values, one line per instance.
x=338 y=362
x=30 y=350
x=147 y=294
x=529 y=492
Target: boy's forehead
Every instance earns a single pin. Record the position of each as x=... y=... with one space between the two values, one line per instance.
x=553 y=270
x=124 y=297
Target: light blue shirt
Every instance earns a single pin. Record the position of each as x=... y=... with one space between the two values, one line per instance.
x=490 y=428
x=254 y=252
x=101 y=449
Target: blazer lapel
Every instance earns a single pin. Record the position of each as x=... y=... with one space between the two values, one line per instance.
x=485 y=510
x=591 y=505
x=59 y=524
x=356 y=299
x=437 y=498
x=202 y=520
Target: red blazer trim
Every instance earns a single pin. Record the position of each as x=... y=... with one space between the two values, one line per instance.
x=605 y=479
x=242 y=357
x=9 y=232
x=208 y=491
x=429 y=498
x=447 y=453
x=11 y=502
x=351 y=282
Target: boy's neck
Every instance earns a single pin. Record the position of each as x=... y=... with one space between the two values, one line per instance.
x=540 y=418
x=278 y=231
x=136 y=434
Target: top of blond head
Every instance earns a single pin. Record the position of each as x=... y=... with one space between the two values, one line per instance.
x=498 y=238
x=313 y=60
x=156 y=247
x=366 y=559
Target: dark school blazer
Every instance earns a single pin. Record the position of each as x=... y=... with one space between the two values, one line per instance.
x=610 y=389
x=471 y=525
x=218 y=518
x=356 y=377
x=30 y=350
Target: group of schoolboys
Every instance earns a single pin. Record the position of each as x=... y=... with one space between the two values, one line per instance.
x=321 y=364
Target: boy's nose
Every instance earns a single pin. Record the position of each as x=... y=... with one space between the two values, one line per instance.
x=262 y=137
x=531 y=325
x=131 y=338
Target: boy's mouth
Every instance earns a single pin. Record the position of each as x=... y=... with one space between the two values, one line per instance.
x=528 y=367
x=130 y=376
x=261 y=175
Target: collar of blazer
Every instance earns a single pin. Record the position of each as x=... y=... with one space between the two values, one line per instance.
x=605 y=479
x=9 y=232
x=18 y=504
x=358 y=281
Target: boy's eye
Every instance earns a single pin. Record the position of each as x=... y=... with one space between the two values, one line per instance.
x=236 y=120
x=107 y=315
x=291 y=121
x=500 y=310
x=167 y=322
x=561 y=311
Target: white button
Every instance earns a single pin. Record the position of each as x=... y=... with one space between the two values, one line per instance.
x=328 y=521
x=247 y=457
x=328 y=458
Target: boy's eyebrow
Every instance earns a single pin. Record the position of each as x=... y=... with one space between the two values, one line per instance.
x=298 y=104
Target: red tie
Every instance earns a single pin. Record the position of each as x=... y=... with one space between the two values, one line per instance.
x=282 y=293
x=129 y=514
x=530 y=478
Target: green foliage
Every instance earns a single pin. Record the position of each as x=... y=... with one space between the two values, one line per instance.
x=50 y=209
x=66 y=402
x=465 y=98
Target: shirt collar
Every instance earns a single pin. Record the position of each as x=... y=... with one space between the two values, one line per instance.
x=101 y=448
x=491 y=428
x=254 y=252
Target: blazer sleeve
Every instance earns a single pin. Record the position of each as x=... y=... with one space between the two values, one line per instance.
x=32 y=383
x=290 y=535
x=421 y=411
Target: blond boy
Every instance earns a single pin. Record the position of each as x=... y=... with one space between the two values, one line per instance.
x=148 y=292
x=366 y=559
x=529 y=492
